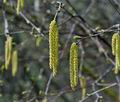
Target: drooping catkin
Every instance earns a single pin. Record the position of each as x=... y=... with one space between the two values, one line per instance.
x=116 y=66
x=53 y=46
x=116 y=50
x=117 y=55
x=73 y=65
x=20 y=5
x=114 y=43
x=8 y=51
x=14 y=62
x=83 y=86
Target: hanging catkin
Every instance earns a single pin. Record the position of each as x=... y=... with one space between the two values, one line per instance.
x=114 y=43
x=8 y=50
x=83 y=86
x=116 y=50
x=14 y=62
x=117 y=55
x=20 y=5
x=74 y=65
x=53 y=46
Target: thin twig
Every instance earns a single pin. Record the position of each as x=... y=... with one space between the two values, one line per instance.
x=48 y=85
x=93 y=93
x=33 y=26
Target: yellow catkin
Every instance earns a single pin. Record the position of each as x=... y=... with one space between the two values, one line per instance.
x=18 y=7
x=74 y=65
x=118 y=48
x=6 y=54
x=53 y=47
x=22 y=4
x=14 y=62
x=83 y=86
x=117 y=55
x=114 y=43
x=8 y=50
x=116 y=66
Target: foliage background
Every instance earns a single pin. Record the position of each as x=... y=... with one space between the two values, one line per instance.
x=33 y=74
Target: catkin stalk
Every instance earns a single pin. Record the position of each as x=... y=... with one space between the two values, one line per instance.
x=73 y=65
x=53 y=47
x=14 y=62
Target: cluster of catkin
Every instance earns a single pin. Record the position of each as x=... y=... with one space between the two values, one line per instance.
x=116 y=51
x=11 y=55
x=54 y=58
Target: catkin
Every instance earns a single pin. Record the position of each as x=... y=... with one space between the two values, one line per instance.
x=117 y=55
x=83 y=86
x=116 y=66
x=53 y=47
x=114 y=43
x=116 y=50
x=74 y=65
x=20 y=5
x=14 y=62
x=8 y=50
